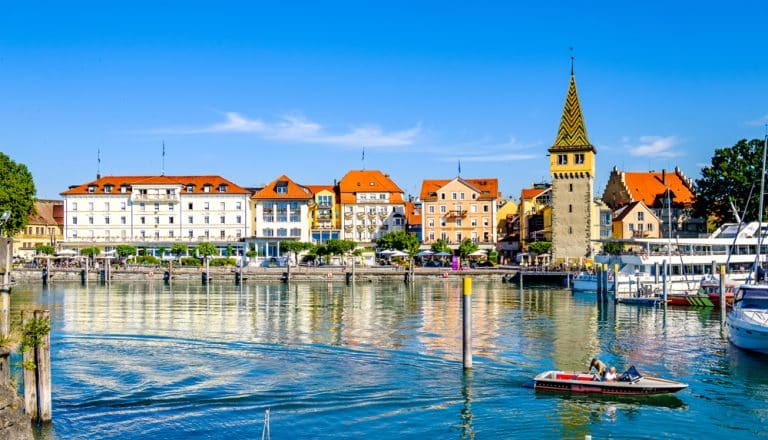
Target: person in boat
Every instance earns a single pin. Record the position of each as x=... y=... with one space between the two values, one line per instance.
x=610 y=376
x=598 y=365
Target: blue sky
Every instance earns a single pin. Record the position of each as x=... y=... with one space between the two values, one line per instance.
x=252 y=90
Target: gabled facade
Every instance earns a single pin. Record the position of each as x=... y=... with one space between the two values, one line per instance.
x=324 y=213
x=635 y=220
x=280 y=212
x=413 y=218
x=535 y=215
x=156 y=211
x=457 y=209
x=657 y=190
x=45 y=226
x=371 y=205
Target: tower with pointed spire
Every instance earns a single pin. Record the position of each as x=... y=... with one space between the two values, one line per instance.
x=572 y=168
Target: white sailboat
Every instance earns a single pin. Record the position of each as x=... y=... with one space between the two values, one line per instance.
x=747 y=323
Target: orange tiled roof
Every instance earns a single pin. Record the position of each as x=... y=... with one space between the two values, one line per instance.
x=118 y=181
x=314 y=189
x=357 y=181
x=530 y=193
x=293 y=190
x=43 y=213
x=488 y=188
x=411 y=215
x=648 y=186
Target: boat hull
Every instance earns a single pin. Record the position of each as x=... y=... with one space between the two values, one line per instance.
x=746 y=335
x=584 y=384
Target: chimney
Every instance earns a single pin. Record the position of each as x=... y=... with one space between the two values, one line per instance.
x=664 y=176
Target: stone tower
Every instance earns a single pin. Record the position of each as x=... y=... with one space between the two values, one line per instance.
x=572 y=166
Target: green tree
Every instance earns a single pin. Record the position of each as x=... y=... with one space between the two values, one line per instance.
x=340 y=247
x=125 y=250
x=206 y=249
x=441 y=246
x=17 y=194
x=321 y=251
x=229 y=251
x=295 y=247
x=613 y=247
x=44 y=249
x=161 y=252
x=179 y=249
x=467 y=247
x=732 y=175
x=400 y=240
x=90 y=252
x=540 y=247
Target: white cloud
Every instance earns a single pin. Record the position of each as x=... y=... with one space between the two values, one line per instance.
x=758 y=121
x=653 y=146
x=299 y=129
x=482 y=151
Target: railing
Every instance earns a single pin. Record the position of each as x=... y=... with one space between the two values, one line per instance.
x=172 y=198
x=456 y=213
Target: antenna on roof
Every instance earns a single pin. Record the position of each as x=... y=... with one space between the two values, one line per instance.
x=572 y=59
x=98 y=163
x=162 y=169
x=459 y=167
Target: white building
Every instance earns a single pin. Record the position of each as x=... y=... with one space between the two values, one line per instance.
x=280 y=213
x=156 y=211
x=371 y=205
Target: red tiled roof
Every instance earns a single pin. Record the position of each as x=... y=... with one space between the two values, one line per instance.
x=648 y=186
x=314 y=189
x=488 y=188
x=530 y=193
x=625 y=210
x=117 y=181
x=359 y=181
x=43 y=213
x=411 y=216
x=293 y=190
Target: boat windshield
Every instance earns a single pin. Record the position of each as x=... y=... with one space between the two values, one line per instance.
x=752 y=298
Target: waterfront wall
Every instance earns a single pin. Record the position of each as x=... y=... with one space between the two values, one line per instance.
x=251 y=274
x=14 y=424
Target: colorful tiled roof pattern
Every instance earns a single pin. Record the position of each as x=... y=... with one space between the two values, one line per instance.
x=649 y=186
x=572 y=134
x=488 y=189
x=357 y=181
x=283 y=188
x=116 y=182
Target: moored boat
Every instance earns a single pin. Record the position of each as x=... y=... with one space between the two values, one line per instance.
x=629 y=383
x=747 y=323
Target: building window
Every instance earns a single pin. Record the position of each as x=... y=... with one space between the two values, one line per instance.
x=239 y=233
x=74 y=220
x=207 y=234
x=206 y=205
x=190 y=219
x=142 y=220
x=431 y=236
x=170 y=220
x=472 y=208
x=461 y=196
x=486 y=222
x=295 y=232
x=282 y=232
x=222 y=234
x=269 y=232
x=106 y=220
x=486 y=208
x=570 y=187
x=143 y=234
x=170 y=233
x=190 y=188
x=170 y=206
x=442 y=209
x=458 y=237
x=458 y=222
x=442 y=196
x=223 y=206
x=578 y=158
x=453 y=196
x=122 y=206
x=570 y=229
x=223 y=188
x=570 y=208
x=631 y=227
x=431 y=209
x=207 y=188
x=650 y=227
x=157 y=220
x=157 y=235
x=473 y=222
x=90 y=220
x=206 y=220
x=190 y=206
x=157 y=206
x=296 y=212
x=562 y=159
x=268 y=211
x=74 y=206
x=431 y=223
x=238 y=219
x=191 y=234
x=443 y=222
x=90 y=206
x=640 y=216
x=223 y=219
x=123 y=220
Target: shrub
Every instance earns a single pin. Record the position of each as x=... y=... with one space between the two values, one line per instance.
x=223 y=262
x=191 y=261
x=147 y=260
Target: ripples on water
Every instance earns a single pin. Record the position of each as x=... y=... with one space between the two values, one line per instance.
x=378 y=361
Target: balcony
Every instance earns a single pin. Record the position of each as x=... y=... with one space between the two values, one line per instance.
x=160 y=198
x=371 y=215
x=360 y=215
x=456 y=213
x=347 y=215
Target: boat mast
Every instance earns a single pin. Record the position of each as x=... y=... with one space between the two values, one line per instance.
x=760 y=212
x=669 y=238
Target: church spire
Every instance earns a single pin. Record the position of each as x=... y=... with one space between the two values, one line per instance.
x=572 y=134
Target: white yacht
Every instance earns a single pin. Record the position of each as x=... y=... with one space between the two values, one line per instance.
x=747 y=323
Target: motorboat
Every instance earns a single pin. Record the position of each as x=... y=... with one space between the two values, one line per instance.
x=629 y=383
x=587 y=282
x=747 y=323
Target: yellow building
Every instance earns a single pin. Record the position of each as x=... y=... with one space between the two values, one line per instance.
x=324 y=214
x=44 y=227
x=459 y=209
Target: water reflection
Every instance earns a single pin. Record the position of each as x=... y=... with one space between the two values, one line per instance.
x=333 y=360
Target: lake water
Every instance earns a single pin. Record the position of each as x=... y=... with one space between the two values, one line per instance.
x=380 y=360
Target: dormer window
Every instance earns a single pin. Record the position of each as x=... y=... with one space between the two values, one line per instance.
x=190 y=188
x=91 y=188
x=207 y=187
x=123 y=188
x=108 y=188
x=223 y=188
x=281 y=188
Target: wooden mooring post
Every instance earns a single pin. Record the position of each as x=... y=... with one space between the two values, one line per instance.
x=36 y=363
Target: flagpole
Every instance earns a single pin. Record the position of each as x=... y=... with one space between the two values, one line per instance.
x=162 y=170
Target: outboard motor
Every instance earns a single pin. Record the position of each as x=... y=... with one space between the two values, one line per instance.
x=166 y=277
